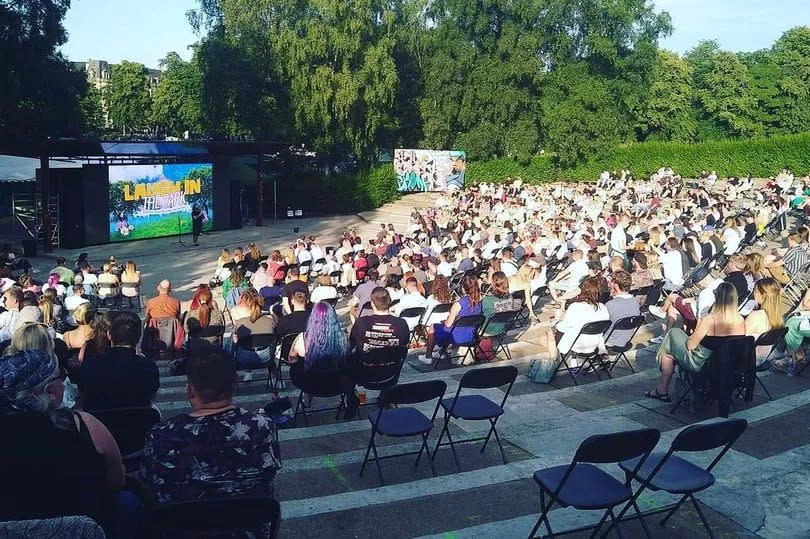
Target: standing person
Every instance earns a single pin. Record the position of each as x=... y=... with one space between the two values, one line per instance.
x=197 y=217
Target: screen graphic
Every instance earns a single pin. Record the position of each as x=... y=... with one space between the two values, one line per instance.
x=149 y=201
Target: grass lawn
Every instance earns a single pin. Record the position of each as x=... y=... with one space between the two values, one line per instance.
x=155 y=228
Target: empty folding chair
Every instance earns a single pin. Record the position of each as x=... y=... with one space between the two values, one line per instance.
x=477 y=407
x=675 y=475
x=413 y=317
x=402 y=422
x=283 y=354
x=628 y=323
x=522 y=318
x=588 y=358
x=583 y=486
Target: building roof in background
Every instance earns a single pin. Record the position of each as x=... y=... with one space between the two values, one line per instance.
x=24 y=169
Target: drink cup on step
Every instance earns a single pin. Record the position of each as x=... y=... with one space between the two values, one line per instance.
x=362 y=396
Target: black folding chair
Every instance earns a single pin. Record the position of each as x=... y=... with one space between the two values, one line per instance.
x=379 y=368
x=324 y=383
x=522 y=318
x=770 y=338
x=410 y=314
x=652 y=297
x=675 y=475
x=256 y=342
x=404 y=422
x=628 y=323
x=283 y=355
x=474 y=323
x=583 y=486
x=129 y=427
x=588 y=358
x=208 y=515
x=506 y=318
x=477 y=407
x=421 y=328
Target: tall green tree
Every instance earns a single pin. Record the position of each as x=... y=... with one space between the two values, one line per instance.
x=791 y=53
x=39 y=91
x=176 y=102
x=128 y=98
x=92 y=111
x=669 y=113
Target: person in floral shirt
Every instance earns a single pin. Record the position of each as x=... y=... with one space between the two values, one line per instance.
x=218 y=449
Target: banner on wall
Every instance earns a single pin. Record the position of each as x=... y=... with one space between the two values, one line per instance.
x=429 y=170
x=149 y=201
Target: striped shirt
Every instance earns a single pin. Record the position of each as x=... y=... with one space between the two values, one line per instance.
x=796 y=259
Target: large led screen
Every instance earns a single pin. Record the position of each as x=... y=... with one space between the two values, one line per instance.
x=149 y=201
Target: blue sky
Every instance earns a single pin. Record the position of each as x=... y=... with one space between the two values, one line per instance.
x=145 y=30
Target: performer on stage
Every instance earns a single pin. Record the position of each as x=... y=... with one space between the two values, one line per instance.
x=197 y=217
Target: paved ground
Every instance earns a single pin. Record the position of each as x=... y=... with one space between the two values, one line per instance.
x=762 y=484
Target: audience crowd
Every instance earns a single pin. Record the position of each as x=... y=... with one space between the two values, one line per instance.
x=692 y=253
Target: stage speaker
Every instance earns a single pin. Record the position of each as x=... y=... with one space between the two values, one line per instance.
x=70 y=186
x=236 y=204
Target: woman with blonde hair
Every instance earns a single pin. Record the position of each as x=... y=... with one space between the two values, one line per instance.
x=522 y=281
x=223 y=272
x=132 y=278
x=687 y=351
x=30 y=336
x=48 y=318
x=76 y=338
x=769 y=315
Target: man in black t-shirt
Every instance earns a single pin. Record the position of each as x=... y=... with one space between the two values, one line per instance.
x=381 y=329
x=122 y=378
x=295 y=322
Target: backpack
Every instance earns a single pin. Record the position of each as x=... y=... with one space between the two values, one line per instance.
x=484 y=351
x=542 y=370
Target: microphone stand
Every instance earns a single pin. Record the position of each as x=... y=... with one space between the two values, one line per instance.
x=179 y=233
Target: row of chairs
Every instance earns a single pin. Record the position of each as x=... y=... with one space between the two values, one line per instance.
x=584 y=486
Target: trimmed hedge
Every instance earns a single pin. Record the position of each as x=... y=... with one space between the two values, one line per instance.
x=336 y=193
x=762 y=157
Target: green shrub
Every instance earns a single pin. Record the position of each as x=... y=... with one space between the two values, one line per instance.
x=762 y=157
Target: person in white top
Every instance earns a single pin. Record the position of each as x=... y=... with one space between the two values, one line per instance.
x=731 y=237
x=325 y=289
x=411 y=299
x=508 y=264
x=570 y=277
x=689 y=310
x=584 y=309
x=444 y=267
x=618 y=237
x=672 y=265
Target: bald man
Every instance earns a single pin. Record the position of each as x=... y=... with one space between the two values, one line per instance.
x=164 y=305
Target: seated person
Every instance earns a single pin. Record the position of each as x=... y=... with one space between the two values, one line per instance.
x=584 y=309
x=798 y=334
x=164 y=305
x=362 y=295
x=409 y=300
x=380 y=329
x=736 y=276
x=498 y=300
x=621 y=306
x=294 y=284
x=71 y=452
x=216 y=450
x=469 y=304
x=569 y=278
x=295 y=322
x=121 y=378
x=107 y=283
x=686 y=351
x=249 y=320
x=325 y=290
x=77 y=298
x=203 y=313
x=323 y=344
x=76 y=338
x=688 y=309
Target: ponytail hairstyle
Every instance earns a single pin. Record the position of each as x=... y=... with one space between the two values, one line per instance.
x=204 y=299
x=469 y=285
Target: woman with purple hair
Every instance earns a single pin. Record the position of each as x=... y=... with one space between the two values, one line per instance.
x=323 y=346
